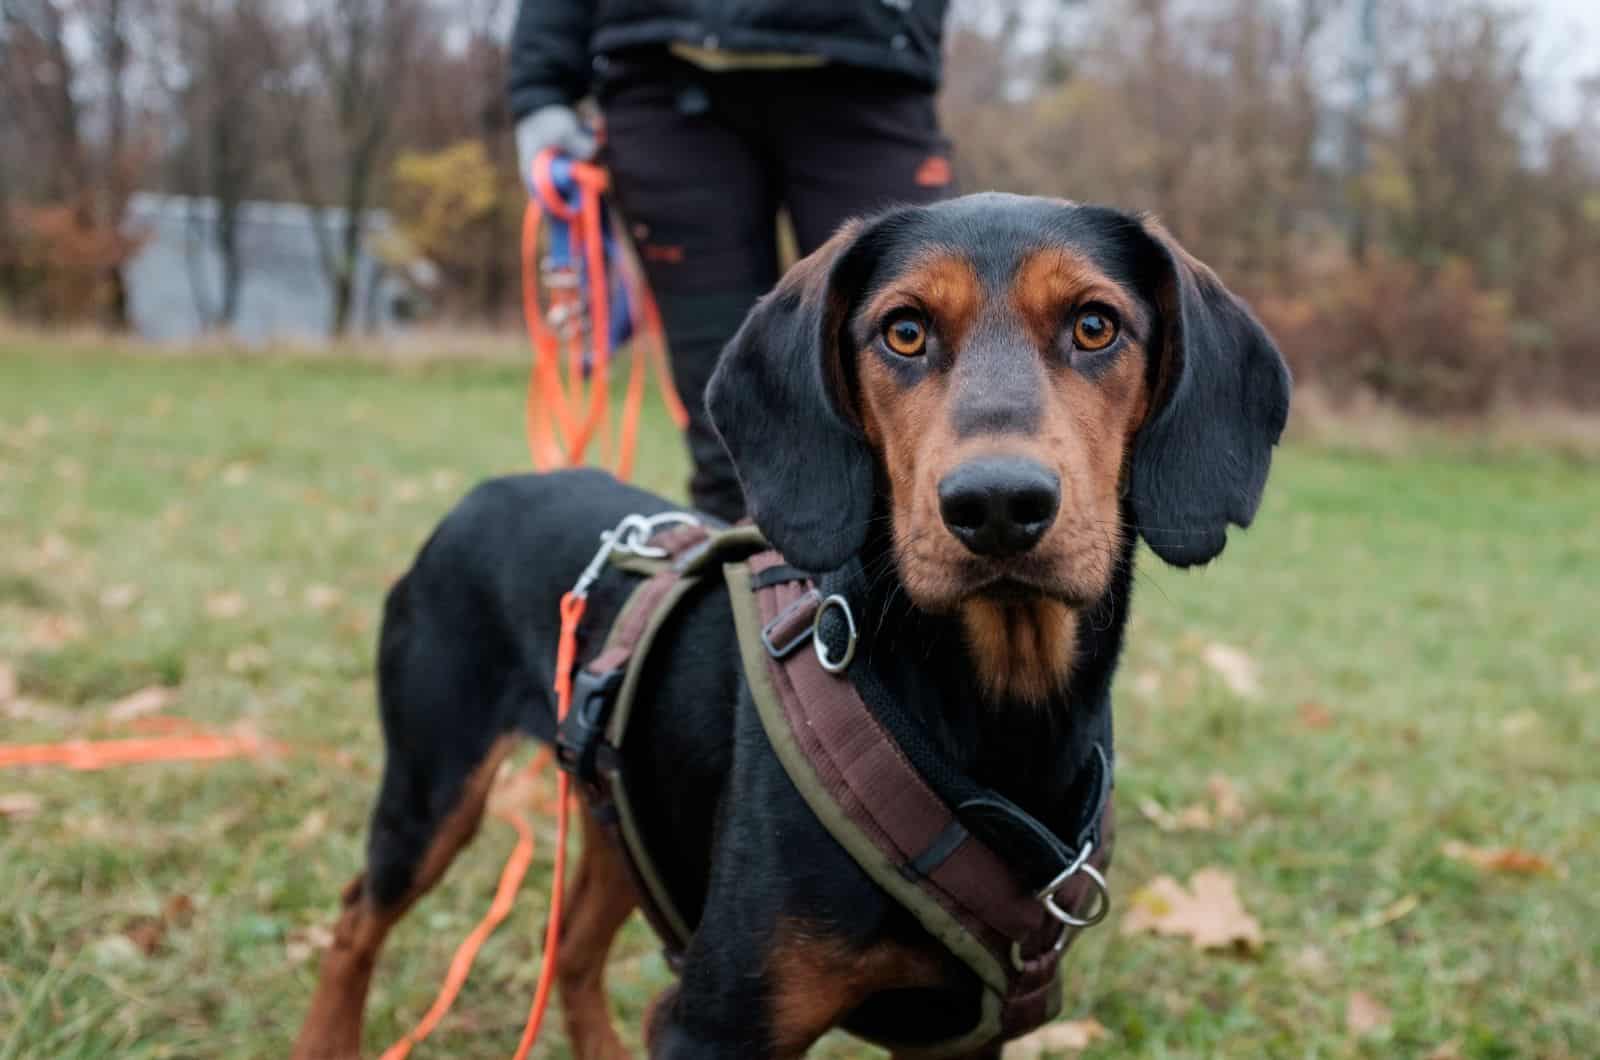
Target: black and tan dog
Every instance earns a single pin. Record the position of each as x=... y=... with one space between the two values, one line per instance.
x=982 y=403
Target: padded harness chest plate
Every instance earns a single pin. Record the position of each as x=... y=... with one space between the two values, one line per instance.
x=853 y=775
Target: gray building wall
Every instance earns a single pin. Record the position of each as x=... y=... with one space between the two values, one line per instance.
x=175 y=280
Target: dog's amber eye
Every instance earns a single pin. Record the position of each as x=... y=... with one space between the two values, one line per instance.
x=905 y=334
x=1094 y=330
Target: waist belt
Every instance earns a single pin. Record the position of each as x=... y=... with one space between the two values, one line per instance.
x=1010 y=925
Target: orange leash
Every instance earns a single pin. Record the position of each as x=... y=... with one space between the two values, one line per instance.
x=505 y=896
x=572 y=608
x=196 y=746
x=562 y=416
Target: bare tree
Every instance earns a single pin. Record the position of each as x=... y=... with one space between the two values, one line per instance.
x=219 y=85
x=357 y=56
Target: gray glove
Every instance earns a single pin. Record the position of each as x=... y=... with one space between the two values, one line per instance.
x=557 y=126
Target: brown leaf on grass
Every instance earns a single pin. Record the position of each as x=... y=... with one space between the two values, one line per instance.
x=147 y=933
x=19 y=805
x=1314 y=715
x=1450 y=1050
x=1208 y=912
x=55 y=631
x=1512 y=860
x=1237 y=670
x=225 y=605
x=178 y=910
x=1064 y=1036
x=151 y=699
x=8 y=682
x=1365 y=1014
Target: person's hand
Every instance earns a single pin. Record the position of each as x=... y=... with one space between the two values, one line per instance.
x=557 y=126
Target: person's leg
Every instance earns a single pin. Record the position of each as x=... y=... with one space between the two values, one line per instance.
x=697 y=197
x=850 y=143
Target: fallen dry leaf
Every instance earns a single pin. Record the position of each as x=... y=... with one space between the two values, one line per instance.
x=225 y=605
x=301 y=945
x=248 y=659
x=55 y=631
x=20 y=805
x=20 y=709
x=322 y=597
x=1225 y=798
x=1450 y=1050
x=1226 y=805
x=147 y=933
x=119 y=597
x=1365 y=1014
x=1519 y=723
x=1314 y=715
x=178 y=910
x=1513 y=860
x=54 y=548
x=311 y=826
x=151 y=699
x=8 y=682
x=1194 y=818
x=1311 y=962
x=1237 y=670
x=1061 y=1037
x=1208 y=912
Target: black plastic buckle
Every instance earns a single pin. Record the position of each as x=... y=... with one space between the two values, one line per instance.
x=580 y=733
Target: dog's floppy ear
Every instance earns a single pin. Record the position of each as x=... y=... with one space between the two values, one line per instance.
x=780 y=399
x=1200 y=461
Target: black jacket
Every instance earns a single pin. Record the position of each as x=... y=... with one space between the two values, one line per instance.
x=556 y=42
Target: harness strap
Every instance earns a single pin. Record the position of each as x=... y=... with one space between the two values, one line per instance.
x=590 y=741
x=873 y=799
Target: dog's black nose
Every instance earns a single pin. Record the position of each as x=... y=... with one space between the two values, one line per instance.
x=999 y=506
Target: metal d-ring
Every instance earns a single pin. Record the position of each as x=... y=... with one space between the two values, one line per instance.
x=834 y=666
x=1068 y=921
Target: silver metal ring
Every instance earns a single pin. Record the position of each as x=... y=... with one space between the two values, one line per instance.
x=632 y=535
x=1102 y=904
x=834 y=666
x=1068 y=921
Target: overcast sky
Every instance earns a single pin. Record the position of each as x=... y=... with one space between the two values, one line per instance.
x=1568 y=43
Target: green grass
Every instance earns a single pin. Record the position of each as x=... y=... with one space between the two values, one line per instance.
x=1441 y=608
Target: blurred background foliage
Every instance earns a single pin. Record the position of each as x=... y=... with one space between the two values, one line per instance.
x=1399 y=186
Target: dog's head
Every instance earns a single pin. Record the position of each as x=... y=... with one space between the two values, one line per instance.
x=997 y=374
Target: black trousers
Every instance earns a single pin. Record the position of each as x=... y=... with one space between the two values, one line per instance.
x=701 y=163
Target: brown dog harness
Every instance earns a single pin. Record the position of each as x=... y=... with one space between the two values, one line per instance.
x=1009 y=926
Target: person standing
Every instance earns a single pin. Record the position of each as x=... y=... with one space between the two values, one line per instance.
x=717 y=113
